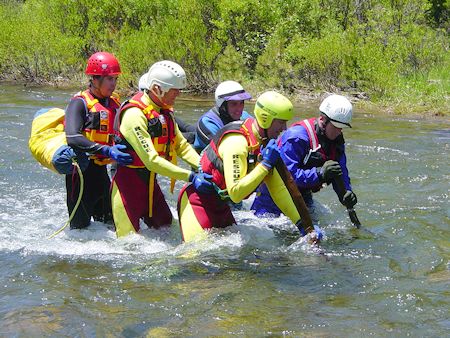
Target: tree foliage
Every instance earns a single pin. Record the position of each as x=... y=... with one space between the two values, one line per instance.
x=378 y=47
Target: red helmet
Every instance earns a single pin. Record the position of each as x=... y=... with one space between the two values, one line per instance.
x=103 y=64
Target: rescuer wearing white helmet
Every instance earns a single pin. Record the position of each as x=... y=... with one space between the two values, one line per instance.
x=238 y=166
x=188 y=130
x=146 y=124
x=229 y=97
x=314 y=153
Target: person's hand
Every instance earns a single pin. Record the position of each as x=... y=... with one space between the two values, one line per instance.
x=349 y=199
x=316 y=235
x=116 y=153
x=329 y=171
x=270 y=154
x=201 y=182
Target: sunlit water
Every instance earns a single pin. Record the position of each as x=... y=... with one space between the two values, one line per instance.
x=254 y=279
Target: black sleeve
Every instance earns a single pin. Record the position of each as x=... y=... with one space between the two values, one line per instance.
x=184 y=126
x=75 y=121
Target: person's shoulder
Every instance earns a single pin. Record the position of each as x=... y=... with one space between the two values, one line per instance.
x=77 y=104
x=234 y=139
x=132 y=112
x=245 y=115
x=210 y=121
x=233 y=144
x=296 y=132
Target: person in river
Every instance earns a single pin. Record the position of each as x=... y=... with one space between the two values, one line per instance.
x=146 y=125
x=229 y=107
x=232 y=160
x=187 y=129
x=314 y=152
x=89 y=122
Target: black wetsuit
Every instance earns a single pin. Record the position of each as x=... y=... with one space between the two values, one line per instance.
x=96 y=199
x=188 y=130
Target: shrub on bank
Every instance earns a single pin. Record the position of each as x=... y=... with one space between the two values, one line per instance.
x=383 y=49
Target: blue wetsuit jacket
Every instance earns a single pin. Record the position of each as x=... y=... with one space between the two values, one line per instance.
x=208 y=125
x=295 y=147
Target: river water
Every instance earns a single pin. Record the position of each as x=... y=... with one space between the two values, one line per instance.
x=391 y=278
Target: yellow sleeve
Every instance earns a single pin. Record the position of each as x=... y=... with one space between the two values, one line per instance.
x=234 y=152
x=184 y=150
x=281 y=196
x=133 y=127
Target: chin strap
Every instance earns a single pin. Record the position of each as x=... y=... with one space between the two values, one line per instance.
x=159 y=96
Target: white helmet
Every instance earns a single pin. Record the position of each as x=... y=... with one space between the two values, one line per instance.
x=166 y=74
x=338 y=110
x=143 y=82
x=228 y=91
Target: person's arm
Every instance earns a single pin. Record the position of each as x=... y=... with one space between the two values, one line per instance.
x=345 y=176
x=294 y=147
x=281 y=196
x=134 y=129
x=75 y=120
x=206 y=129
x=240 y=184
x=245 y=115
x=184 y=126
x=185 y=151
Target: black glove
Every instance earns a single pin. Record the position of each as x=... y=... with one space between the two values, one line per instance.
x=329 y=171
x=349 y=199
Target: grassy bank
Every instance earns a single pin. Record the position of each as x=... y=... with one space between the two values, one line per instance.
x=393 y=53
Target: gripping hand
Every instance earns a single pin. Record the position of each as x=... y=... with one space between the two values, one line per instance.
x=116 y=153
x=329 y=171
x=317 y=234
x=201 y=182
x=349 y=199
x=270 y=154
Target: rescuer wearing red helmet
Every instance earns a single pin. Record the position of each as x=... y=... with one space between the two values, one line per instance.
x=89 y=129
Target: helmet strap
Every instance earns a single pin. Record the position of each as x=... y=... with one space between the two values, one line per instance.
x=158 y=94
x=223 y=113
x=323 y=122
x=95 y=90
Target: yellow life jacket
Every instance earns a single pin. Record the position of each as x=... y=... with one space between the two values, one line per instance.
x=101 y=127
x=161 y=127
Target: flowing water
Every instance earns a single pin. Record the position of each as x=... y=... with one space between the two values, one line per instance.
x=391 y=278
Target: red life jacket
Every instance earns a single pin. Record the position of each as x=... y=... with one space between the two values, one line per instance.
x=314 y=141
x=161 y=127
x=210 y=160
x=102 y=131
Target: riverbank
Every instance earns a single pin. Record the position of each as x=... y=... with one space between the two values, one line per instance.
x=308 y=97
x=393 y=54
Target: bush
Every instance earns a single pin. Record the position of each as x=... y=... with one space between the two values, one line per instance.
x=387 y=49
